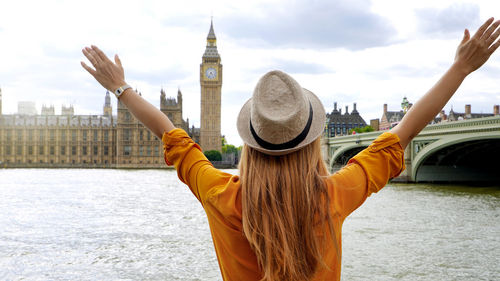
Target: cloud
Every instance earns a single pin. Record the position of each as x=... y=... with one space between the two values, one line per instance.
x=168 y=76
x=450 y=20
x=402 y=70
x=300 y=24
x=318 y=24
x=299 y=67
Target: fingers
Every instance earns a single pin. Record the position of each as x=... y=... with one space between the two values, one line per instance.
x=494 y=47
x=90 y=55
x=99 y=53
x=487 y=36
x=466 y=36
x=118 y=61
x=483 y=27
x=88 y=68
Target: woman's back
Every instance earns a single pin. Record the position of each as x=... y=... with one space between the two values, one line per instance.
x=221 y=196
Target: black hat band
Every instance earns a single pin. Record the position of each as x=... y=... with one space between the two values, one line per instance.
x=289 y=144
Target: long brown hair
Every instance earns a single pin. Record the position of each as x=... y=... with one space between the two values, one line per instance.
x=283 y=200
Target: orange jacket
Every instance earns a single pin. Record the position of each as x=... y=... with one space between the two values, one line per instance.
x=220 y=196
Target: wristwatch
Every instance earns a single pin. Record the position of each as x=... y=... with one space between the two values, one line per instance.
x=118 y=92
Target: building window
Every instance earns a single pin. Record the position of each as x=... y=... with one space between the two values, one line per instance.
x=127 y=150
x=106 y=135
x=84 y=150
x=30 y=134
x=106 y=150
x=73 y=150
x=73 y=135
x=40 y=150
x=84 y=137
x=149 y=135
x=19 y=150
x=149 y=150
x=52 y=150
x=95 y=135
x=9 y=135
x=7 y=150
x=30 y=150
x=63 y=135
x=141 y=134
x=141 y=150
x=41 y=135
x=157 y=151
x=95 y=149
x=52 y=135
x=126 y=134
x=19 y=135
x=63 y=150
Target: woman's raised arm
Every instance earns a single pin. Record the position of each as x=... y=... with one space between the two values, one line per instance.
x=471 y=54
x=111 y=76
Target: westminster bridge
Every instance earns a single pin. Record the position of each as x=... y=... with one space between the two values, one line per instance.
x=459 y=151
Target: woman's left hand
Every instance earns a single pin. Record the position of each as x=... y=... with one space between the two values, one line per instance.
x=473 y=52
x=110 y=75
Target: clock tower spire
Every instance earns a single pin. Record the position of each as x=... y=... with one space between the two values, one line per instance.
x=211 y=84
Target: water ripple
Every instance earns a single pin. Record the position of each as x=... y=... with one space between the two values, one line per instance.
x=89 y=224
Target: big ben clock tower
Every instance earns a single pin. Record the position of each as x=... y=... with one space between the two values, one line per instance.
x=211 y=83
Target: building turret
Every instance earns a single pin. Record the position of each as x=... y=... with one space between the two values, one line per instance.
x=67 y=110
x=48 y=110
x=354 y=111
x=163 y=99
x=107 y=109
x=179 y=97
x=335 y=111
x=211 y=49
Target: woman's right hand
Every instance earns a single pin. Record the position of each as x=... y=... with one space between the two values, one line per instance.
x=110 y=75
x=473 y=52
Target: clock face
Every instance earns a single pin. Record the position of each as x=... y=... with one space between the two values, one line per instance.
x=210 y=73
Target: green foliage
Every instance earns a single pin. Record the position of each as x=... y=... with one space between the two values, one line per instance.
x=365 y=129
x=213 y=155
x=229 y=148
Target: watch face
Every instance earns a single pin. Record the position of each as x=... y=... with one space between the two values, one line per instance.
x=210 y=73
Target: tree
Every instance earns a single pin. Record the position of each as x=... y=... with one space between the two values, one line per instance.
x=229 y=148
x=365 y=129
x=213 y=155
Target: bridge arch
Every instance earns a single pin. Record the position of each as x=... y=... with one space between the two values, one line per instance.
x=470 y=157
x=342 y=155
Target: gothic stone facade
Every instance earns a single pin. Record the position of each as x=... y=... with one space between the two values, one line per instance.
x=390 y=119
x=338 y=124
x=84 y=141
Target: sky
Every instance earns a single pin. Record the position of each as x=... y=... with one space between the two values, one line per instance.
x=345 y=51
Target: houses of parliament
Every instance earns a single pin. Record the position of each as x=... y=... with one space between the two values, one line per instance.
x=28 y=139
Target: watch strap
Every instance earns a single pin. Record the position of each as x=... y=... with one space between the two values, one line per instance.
x=118 y=92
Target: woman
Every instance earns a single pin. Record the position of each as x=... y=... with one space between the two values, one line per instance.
x=281 y=219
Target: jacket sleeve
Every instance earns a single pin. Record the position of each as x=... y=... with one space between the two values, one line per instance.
x=367 y=172
x=193 y=168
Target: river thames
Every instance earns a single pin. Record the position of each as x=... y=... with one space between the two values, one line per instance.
x=86 y=224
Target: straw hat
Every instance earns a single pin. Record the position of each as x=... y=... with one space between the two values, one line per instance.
x=281 y=117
